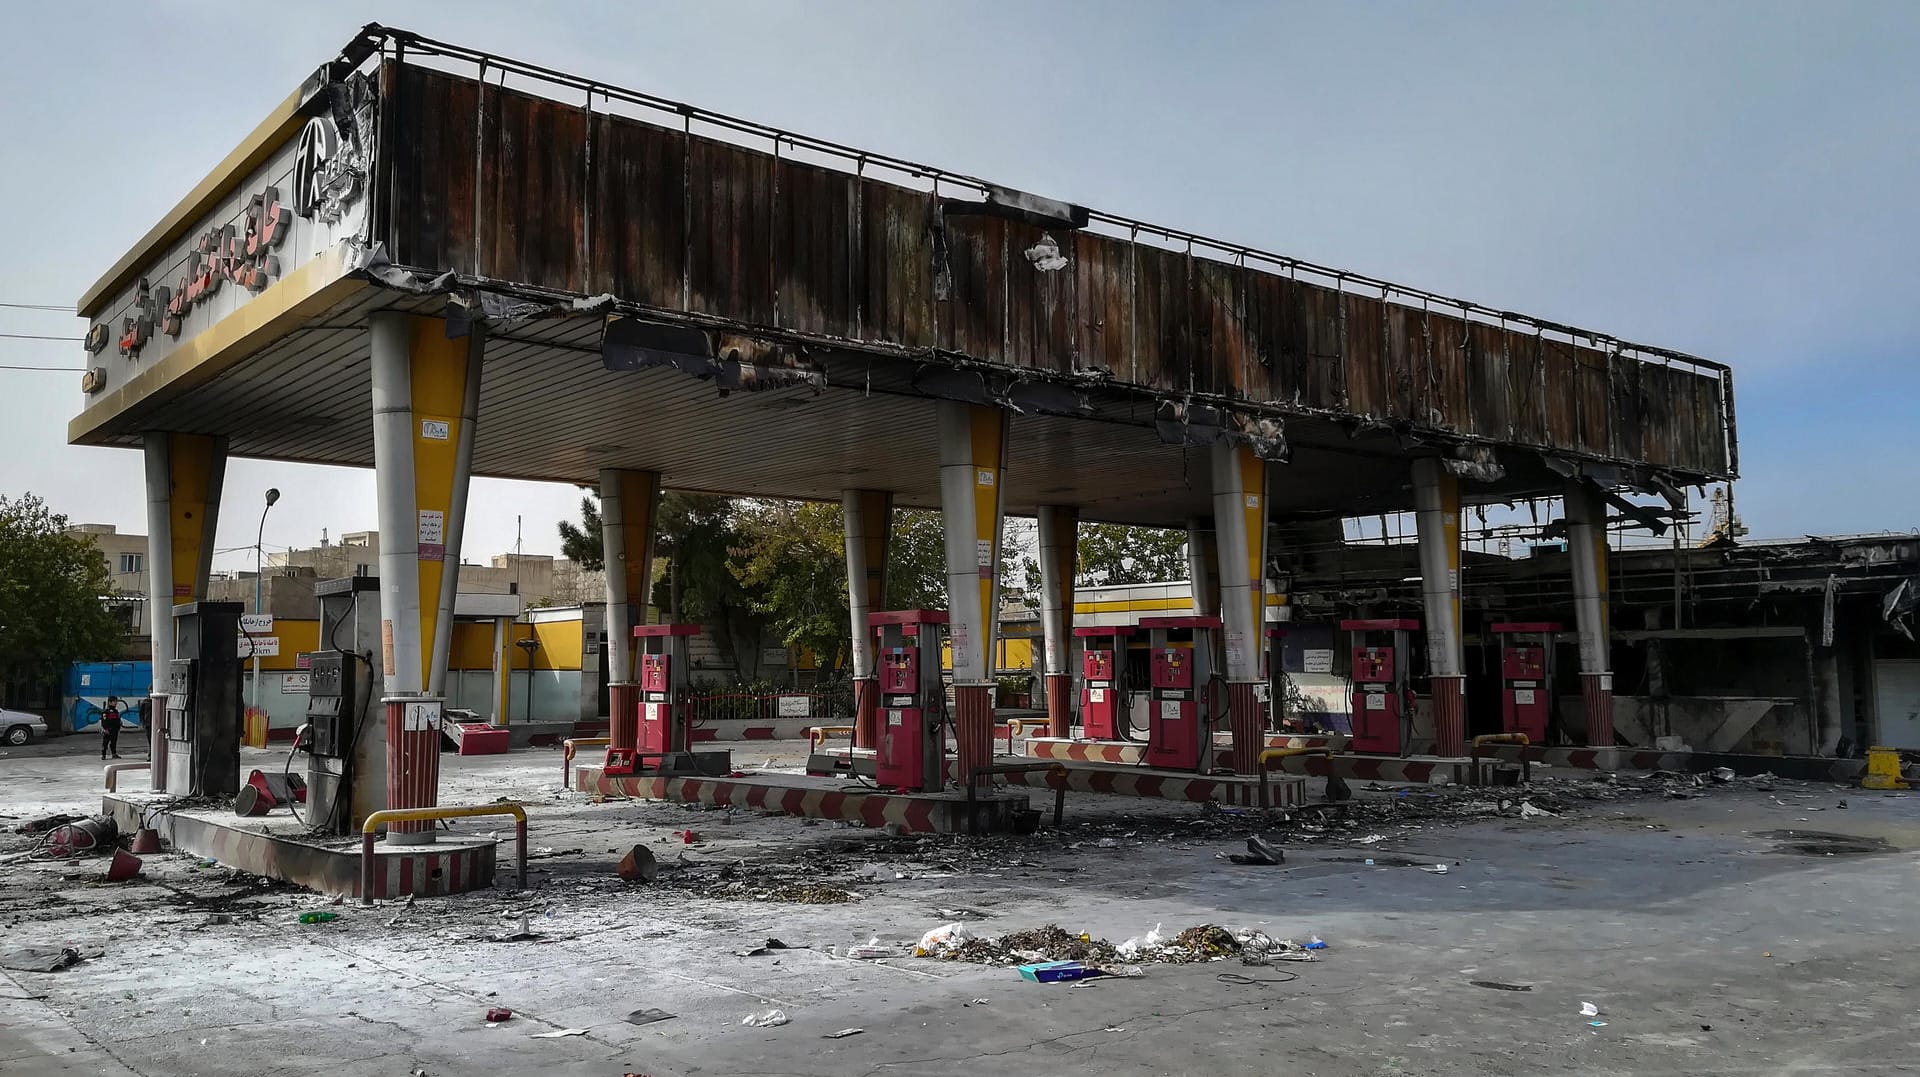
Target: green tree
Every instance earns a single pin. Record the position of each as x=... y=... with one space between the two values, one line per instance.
x=580 y=543
x=52 y=587
x=791 y=560
x=1118 y=554
x=694 y=546
x=917 y=561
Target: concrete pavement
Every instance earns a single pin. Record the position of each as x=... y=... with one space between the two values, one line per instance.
x=1720 y=934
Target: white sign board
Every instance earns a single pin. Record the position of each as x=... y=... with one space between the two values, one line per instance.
x=259 y=646
x=419 y=717
x=773 y=656
x=295 y=684
x=1316 y=660
x=259 y=624
x=1523 y=697
x=795 y=707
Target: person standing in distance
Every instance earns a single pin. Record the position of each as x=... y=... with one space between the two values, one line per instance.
x=110 y=728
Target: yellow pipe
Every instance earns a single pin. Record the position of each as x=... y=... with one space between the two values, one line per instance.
x=817 y=735
x=415 y=815
x=1501 y=738
x=568 y=747
x=1485 y=739
x=113 y=773
x=1018 y=726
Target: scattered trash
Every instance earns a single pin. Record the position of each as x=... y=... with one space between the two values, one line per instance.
x=648 y=1016
x=1496 y=985
x=1240 y=980
x=1528 y=811
x=39 y=958
x=843 y=1034
x=1588 y=1009
x=1047 y=972
x=217 y=919
x=558 y=1033
x=1260 y=852
x=1597 y=1024
x=638 y=865
x=525 y=934
x=974 y=1002
x=1723 y=774
x=498 y=1014
x=687 y=837
x=1369 y=861
x=318 y=917
x=1437 y=869
x=943 y=940
x=769 y=1019
x=1314 y=942
x=1841 y=805
x=1371 y=839
x=764 y=948
x=871 y=951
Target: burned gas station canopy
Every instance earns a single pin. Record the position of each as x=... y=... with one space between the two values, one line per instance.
x=751 y=311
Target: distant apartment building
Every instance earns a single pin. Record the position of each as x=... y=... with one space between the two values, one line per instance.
x=540 y=579
x=126 y=557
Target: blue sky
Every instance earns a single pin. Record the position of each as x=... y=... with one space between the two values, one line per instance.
x=1730 y=179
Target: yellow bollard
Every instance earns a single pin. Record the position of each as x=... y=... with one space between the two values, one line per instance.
x=1883 y=770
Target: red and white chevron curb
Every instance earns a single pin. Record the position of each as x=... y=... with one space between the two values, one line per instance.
x=915 y=814
x=1372 y=768
x=1132 y=752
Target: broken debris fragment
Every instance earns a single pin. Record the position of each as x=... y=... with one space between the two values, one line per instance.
x=769 y=1019
x=1260 y=852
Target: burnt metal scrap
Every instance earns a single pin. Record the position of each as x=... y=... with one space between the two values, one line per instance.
x=732 y=361
x=1186 y=423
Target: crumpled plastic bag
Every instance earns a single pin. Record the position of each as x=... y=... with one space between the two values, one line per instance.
x=943 y=940
x=1149 y=943
x=769 y=1019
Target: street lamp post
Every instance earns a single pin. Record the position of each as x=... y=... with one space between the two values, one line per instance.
x=273 y=495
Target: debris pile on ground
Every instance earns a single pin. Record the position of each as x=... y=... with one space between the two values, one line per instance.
x=1202 y=942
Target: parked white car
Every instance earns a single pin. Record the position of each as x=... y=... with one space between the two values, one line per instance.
x=19 y=727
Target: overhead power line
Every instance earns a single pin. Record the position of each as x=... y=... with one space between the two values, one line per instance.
x=37 y=336
x=51 y=369
x=37 y=306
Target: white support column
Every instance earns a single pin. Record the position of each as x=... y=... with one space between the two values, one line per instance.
x=1436 y=498
x=1059 y=559
x=159 y=600
x=426 y=400
x=1203 y=566
x=1240 y=530
x=393 y=483
x=867 y=517
x=973 y=446
x=1587 y=550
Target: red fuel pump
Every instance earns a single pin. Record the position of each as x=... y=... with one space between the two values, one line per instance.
x=1181 y=691
x=1382 y=702
x=664 y=734
x=1104 y=714
x=1526 y=677
x=912 y=753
